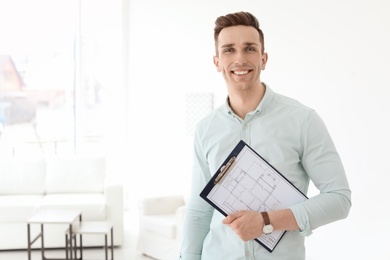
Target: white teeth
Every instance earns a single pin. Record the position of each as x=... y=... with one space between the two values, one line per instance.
x=241 y=72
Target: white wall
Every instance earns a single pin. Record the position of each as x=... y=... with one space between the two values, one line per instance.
x=331 y=55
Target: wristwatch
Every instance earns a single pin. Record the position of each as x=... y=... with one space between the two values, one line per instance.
x=268 y=228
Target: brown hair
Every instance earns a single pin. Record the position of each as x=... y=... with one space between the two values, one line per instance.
x=233 y=19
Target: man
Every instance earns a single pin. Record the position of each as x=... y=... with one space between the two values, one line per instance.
x=289 y=135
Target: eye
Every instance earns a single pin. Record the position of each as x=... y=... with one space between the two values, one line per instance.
x=228 y=50
x=250 y=49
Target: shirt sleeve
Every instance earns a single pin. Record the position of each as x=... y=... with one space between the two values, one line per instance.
x=324 y=167
x=198 y=212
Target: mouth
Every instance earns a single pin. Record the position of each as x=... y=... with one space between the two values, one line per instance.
x=241 y=72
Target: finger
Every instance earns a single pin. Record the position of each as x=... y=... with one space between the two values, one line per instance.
x=230 y=218
x=227 y=220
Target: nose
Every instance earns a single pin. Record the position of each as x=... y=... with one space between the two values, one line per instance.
x=240 y=57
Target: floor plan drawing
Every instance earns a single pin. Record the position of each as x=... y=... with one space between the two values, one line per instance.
x=251 y=189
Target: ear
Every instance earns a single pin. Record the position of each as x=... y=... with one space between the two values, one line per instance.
x=216 y=63
x=264 y=59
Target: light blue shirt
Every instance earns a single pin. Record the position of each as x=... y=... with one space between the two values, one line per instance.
x=292 y=138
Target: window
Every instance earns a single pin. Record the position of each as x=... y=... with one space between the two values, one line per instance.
x=61 y=83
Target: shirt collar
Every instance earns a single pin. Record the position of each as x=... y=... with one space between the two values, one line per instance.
x=264 y=103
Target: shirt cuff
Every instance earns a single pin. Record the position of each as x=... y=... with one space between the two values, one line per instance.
x=302 y=220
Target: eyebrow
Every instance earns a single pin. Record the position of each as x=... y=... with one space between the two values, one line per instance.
x=228 y=45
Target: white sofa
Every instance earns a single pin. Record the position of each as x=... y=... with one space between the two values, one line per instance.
x=27 y=185
x=160 y=226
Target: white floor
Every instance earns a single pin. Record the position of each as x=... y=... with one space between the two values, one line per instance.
x=126 y=252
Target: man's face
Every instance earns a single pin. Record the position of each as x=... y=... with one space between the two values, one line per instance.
x=239 y=57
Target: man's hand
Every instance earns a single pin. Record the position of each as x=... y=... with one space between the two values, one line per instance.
x=246 y=224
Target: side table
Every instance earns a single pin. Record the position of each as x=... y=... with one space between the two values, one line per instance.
x=51 y=216
x=105 y=228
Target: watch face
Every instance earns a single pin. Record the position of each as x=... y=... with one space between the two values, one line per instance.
x=267 y=229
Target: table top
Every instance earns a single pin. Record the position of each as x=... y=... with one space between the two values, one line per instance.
x=54 y=216
x=91 y=227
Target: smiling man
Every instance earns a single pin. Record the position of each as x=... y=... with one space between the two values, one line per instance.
x=289 y=135
x=241 y=58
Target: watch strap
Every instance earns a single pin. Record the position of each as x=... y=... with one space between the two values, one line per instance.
x=265 y=218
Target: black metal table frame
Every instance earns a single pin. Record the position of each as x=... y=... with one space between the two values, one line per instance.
x=68 y=241
x=42 y=236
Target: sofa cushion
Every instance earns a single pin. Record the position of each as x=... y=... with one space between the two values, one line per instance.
x=164 y=225
x=22 y=176
x=92 y=206
x=75 y=175
x=18 y=208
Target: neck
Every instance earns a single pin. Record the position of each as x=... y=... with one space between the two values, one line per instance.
x=244 y=102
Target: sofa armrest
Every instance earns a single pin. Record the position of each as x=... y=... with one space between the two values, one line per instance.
x=160 y=205
x=115 y=210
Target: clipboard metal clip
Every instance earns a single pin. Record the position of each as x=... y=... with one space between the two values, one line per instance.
x=224 y=169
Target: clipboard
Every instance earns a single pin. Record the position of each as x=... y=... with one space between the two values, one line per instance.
x=246 y=181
